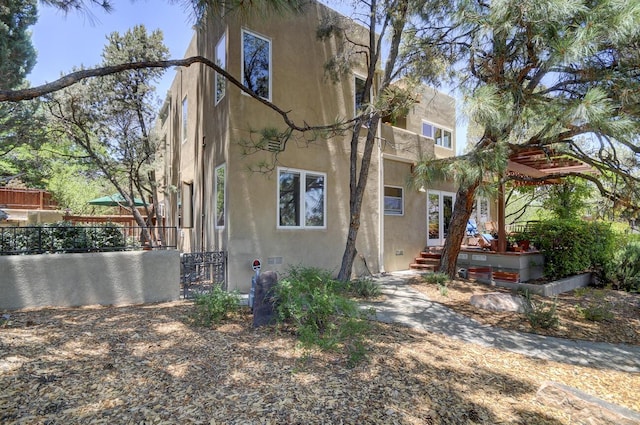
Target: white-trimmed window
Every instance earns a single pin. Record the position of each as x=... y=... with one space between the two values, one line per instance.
x=221 y=61
x=393 y=200
x=360 y=96
x=184 y=119
x=256 y=63
x=220 y=194
x=441 y=136
x=427 y=130
x=302 y=199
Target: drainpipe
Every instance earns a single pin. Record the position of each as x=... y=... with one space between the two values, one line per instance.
x=202 y=187
x=380 y=200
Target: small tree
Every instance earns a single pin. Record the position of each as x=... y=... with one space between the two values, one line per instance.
x=110 y=118
x=567 y=200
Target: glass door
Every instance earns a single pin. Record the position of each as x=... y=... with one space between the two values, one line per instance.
x=439 y=211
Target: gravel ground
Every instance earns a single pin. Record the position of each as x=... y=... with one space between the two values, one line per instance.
x=147 y=364
x=622 y=324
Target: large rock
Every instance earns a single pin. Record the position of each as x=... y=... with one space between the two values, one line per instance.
x=498 y=301
x=584 y=408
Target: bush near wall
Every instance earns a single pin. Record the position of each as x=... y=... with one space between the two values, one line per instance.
x=625 y=272
x=62 y=237
x=574 y=246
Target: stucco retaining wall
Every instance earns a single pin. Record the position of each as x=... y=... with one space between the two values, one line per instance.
x=551 y=289
x=106 y=278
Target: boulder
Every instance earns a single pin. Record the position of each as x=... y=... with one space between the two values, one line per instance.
x=584 y=408
x=498 y=301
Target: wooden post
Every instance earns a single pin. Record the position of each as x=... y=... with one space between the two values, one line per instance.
x=502 y=234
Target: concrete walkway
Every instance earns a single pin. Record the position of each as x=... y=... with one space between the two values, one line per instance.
x=406 y=306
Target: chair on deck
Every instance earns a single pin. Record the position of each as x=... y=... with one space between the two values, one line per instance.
x=486 y=241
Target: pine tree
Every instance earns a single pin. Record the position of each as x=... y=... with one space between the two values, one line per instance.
x=17 y=55
x=548 y=74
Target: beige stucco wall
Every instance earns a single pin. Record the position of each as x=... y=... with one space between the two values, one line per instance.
x=219 y=134
x=107 y=278
x=404 y=235
x=437 y=108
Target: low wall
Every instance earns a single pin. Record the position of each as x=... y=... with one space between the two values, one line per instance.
x=551 y=289
x=530 y=265
x=106 y=278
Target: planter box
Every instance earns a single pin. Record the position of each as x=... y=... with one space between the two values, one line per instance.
x=529 y=265
x=552 y=288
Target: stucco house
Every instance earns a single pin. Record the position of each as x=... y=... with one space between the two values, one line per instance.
x=297 y=213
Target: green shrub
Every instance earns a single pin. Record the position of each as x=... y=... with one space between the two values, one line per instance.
x=63 y=236
x=313 y=303
x=595 y=313
x=215 y=306
x=574 y=246
x=362 y=288
x=541 y=314
x=436 y=278
x=625 y=269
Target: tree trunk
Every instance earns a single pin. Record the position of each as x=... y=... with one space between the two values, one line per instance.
x=461 y=212
x=349 y=255
x=356 y=194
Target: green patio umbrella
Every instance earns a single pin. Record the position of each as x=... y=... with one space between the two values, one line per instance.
x=114 y=201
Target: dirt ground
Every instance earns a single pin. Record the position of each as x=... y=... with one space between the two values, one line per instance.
x=623 y=309
x=148 y=365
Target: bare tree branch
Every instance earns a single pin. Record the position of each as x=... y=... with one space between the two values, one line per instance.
x=75 y=77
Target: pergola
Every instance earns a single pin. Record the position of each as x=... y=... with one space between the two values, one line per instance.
x=536 y=164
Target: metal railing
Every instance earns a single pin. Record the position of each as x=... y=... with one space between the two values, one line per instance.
x=66 y=239
x=200 y=271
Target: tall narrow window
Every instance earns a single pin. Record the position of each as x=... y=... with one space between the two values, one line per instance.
x=427 y=130
x=187 y=205
x=184 y=119
x=301 y=199
x=220 y=194
x=360 y=95
x=443 y=138
x=221 y=61
x=256 y=64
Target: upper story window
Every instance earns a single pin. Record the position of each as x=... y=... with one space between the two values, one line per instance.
x=221 y=61
x=184 y=119
x=361 y=97
x=256 y=64
x=301 y=199
x=220 y=189
x=393 y=200
x=441 y=136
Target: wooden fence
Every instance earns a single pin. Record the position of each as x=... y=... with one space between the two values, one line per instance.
x=34 y=199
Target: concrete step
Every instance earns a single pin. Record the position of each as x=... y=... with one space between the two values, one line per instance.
x=421 y=260
x=423 y=267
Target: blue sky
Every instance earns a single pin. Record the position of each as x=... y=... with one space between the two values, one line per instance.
x=63 y=42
